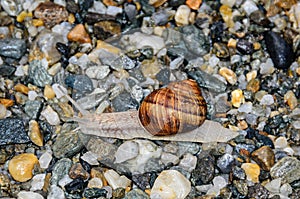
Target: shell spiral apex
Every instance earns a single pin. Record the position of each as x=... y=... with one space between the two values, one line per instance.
x=177 y=108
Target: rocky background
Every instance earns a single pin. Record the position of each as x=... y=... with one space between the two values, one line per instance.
x=108 y=55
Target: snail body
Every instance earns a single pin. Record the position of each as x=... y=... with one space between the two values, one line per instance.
x=177 y=108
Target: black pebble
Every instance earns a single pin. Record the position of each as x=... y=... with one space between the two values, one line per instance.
x=76 y=185
x=280 y=51
x=12 y=131
x=245 y=47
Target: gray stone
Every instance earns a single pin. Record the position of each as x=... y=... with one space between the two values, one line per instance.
x=33 y=108
x=136 y=193
x=60 y=169
x=225 y=163
x=67 y=142
x=38 y=73
x=13 y=48
x=287 y=169
x=12 y=131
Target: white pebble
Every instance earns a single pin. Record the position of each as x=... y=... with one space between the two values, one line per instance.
x=32 y=95
x=37 y=182
x=176 y=63
x=167 y=158
x=281 y=142
x=245 y=108
x=249 y=6
x=56 y=193
x=267 y=68
x=215 y=191
x=170 y=184
x=188 y=162
x=182 y=15
x=98 y=7
x=65 y=180
x=267 y=100
x=29 y=195
x=219 y=182
x=286 y=189
x=126 y=151
x=95 y=182
x=50 y=115
x=90 y=158
x=60 y=2
x=115 y=180
x=2 y=111
x=45 y=159
x=213 y=61
x=113 y=10
x=274 y=185
x=204 y=188
x=59 y=93
x=229 y=3
x=296 y=124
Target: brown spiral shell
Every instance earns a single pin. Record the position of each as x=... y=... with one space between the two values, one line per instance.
x=177 y=108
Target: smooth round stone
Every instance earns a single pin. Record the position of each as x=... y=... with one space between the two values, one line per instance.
x=29 y=195
x=291 y=99
x=219 y=182
x=49 y=92
x=20 y=167
x=170 y=184
x=60 y=169
x=281 y=142
x=229 y=75
x=182 y=15
x=252 y=171
x=267 y=100
x=237 y=98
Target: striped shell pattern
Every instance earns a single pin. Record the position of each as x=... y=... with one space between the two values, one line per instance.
x=177 y=108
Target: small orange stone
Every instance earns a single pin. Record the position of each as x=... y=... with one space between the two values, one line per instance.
x=78 y=33
x=110 y=2
x=193 y=4
x=6 y=102
x=21 y=88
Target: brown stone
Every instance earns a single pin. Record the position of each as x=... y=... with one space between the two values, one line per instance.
x=253 y=85
x=49 y=92
x=20 y=167
x=285 y=4
x=79 y=34
x=51 y=13
x=21 y=88
x=193 y=4
x=265 y=157
x=106 y=29
x=252 y=171
x=157 y=3
x=77 y=171
x=110 y=2
x=35 y=134
x=6 y=102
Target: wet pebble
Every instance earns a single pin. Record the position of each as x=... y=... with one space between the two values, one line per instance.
x=13 y=48
x=280 y=51
x=287 y=169
x=12 y=131
x=170 y=184
x=20 y=166
x=67 y=142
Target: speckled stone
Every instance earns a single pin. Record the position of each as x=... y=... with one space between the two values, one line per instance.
x=60 y=169
x=67 y=142
x=205 y=169
x=136 y=193
x=13 y=48
x=39 y=74
x=77 y=171
x=12 y=131
x=287 y=169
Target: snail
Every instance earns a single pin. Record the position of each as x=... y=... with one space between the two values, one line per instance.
x=177 y=108
x=174 y=113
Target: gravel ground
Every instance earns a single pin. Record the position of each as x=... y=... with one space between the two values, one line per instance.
x=108 y=56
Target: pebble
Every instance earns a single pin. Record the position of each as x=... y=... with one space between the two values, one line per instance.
x=115 y=180
x=226 y=13
x=126 y=151
x=287 y=169
x=55 y=192
x=267 y=68
x=29 y=195
x=39 y=74
x=3 y=111
x=12 y=48
x=188 y=162
x=205 y=169
x=106 y=29
x=35 y=134
x=252 y=171
x=258 y=191
x=12 y=131
x=253 y=85
x=94 y=193
x=95 y=182
x=67 y=142
x=167 y=158
x=20 y=166
x=60 y=169
x=45 y=160
x=249 y=7
x=290 y=99
x=79 y=34
x=90 y=158
x=267 y=100
x=225 y=163
x=229 y=75
x=77 y=171
x=50 y=115
x=182 y=15
x=237 y=98
x=81 y=83
x=21 y=88
x=193 y=4
x=51 y=13
x=75 y=186
x=37 y=182
x=136 y=193
x=103 y=150
x=265 y=157
x=98 y=72
x=274 y=185
x=49 y=92
x=170 y=184
x=33 y=108
x=7 y=70
x=280 y=51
